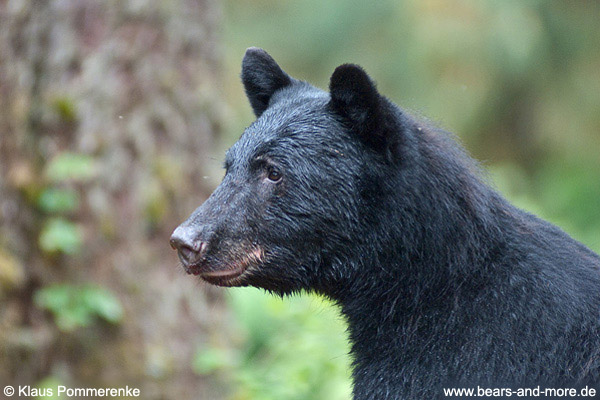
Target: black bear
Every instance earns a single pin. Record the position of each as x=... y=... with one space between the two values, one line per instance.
x=443 y=283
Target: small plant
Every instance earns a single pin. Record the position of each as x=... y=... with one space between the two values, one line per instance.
x=60 y=235
x=55 y=200
x=71 y=167
x=77 y=306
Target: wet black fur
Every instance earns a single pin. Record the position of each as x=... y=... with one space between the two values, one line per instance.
x=441 y=280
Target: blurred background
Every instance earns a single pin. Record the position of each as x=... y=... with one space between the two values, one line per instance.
x=114 y=119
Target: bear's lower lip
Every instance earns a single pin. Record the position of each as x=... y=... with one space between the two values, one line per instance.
x=227 y=273
x=216 y=277
x=224 y=277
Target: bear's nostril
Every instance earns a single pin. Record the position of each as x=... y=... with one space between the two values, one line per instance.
x=186 y=254
x=189 y=250
x=191 y=255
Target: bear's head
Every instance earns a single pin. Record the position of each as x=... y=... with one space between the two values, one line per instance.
x=301 y=193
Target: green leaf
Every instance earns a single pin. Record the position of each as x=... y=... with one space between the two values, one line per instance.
x=71 y=166
x=54 y=200
x=103 y=303
x=77 y=306
x=60 y=235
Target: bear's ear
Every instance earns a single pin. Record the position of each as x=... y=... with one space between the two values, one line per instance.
x=261 y=77
x=355 y=98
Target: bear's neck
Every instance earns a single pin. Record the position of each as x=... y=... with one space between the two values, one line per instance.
x=412 y=272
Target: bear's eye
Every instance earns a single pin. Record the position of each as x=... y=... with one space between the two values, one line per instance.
x=273 y=174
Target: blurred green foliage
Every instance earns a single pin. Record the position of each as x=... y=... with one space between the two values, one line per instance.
x=292 y=348
x=77 y=306
x=73 y=306
x=55 y=200
x=60 y=235
x=70 y=167
x=519 y=82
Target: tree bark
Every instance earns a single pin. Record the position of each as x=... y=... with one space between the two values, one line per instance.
x=131 y=87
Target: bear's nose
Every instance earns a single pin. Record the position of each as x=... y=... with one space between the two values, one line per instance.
x=190 y=251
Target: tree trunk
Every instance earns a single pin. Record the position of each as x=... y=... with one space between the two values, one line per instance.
x=107 y=114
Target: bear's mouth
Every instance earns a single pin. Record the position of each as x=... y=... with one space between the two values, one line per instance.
x=225 y=274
